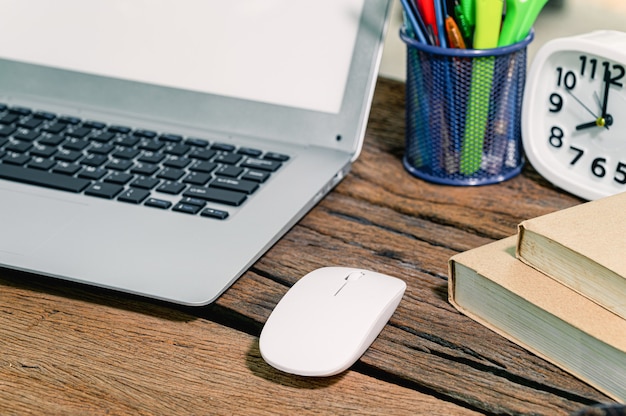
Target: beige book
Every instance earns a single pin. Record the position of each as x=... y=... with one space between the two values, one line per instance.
x=583 y=247
x=492 y=287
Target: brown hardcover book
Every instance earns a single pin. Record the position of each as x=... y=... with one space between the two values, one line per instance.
x=583 y=247
x=491 y=286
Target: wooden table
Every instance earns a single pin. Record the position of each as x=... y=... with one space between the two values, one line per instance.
x=72 y=349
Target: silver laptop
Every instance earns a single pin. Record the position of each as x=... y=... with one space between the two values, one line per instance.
x=160 y=148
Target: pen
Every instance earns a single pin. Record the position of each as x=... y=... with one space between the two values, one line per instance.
x=455 y=39
x=519 y=19
x=488 y=20
x=440 y=21
x=486 y=34
x=426 y=9
x=410 y=13
x=464 y=26
x=469 y=12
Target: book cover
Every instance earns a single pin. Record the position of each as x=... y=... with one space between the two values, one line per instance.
x=491 y=286
x=583 y=247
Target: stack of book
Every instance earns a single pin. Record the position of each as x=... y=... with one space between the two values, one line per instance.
x=557 y=288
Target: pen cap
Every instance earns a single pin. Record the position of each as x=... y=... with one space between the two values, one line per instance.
x=463 y=112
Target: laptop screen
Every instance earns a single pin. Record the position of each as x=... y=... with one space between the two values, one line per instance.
x=257 y=50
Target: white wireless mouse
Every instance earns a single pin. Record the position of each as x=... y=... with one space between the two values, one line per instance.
x=327 y=320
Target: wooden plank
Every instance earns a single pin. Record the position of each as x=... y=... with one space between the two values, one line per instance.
x=63 y=355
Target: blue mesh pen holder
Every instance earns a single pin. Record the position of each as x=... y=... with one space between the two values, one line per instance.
x=463 y=111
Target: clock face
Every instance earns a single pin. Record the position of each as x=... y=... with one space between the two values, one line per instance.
x=574 y=123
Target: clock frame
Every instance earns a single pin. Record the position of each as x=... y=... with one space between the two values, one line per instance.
x=574 y=113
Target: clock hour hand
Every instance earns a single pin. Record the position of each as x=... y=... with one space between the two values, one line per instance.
x=599 y=122
x=587 y=125
x=583 y=126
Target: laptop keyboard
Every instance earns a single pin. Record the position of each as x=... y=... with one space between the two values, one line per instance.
x=137 y=166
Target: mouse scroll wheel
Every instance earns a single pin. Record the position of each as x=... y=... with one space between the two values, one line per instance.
x=354 y=276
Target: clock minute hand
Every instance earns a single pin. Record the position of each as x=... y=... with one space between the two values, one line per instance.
x=607 y=85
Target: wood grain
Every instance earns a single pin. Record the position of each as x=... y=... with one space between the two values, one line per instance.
x=72 y=356
x=71 y=349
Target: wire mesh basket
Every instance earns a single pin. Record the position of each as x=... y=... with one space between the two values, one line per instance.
x=463 y=111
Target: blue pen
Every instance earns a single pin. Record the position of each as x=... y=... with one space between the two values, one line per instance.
x=440 y=19
x=410 y=14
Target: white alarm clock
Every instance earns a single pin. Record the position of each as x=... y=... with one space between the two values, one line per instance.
x=574 y=113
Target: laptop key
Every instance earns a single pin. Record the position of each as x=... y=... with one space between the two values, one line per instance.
x=177 y=149
x=214 y=213
x=186 y=208
x=55 y=128
x=27 y=135
x=91 y=172
x=68 y=155
x=145 y=183
x=78 y=133
x=261 y=164
x=193 y=141
x=41 y=163
x=18 y=147
x=133 y=195
x=119 y=178
x=42 y=178
x=104 y=190
x=228 y=158
x=173 y=188
x=144 y=169
x=216 y=195
x=197 y=178
x=171 y=174
x=247 y=187
x=51 y=140
x=279 y=157
x=66 y=168
x=31 y=123
x=16 y=158
x=193 y=201
x=229 y=171
x=256 y=176
x=41 y=150
x=157 y=203
x=94 y=160
x=6 y=131
x=9 y=119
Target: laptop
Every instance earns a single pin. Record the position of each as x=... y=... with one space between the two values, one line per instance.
x=159 y=148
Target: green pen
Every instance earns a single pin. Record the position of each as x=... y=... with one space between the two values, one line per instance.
x=486 y=34
x=519 y=19
x=468 y=9
x=488 y=19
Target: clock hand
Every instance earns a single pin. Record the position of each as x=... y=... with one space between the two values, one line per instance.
x=597 y=99
x=583 y=126
x=581 y=103
x=605 y=120
x=607 y=84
